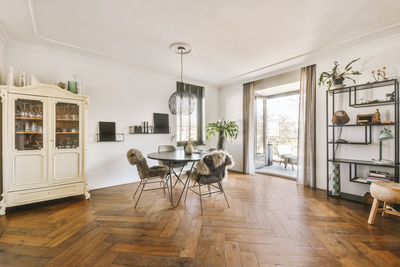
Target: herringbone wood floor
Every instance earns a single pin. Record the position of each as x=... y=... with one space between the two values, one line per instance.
x=271 y=222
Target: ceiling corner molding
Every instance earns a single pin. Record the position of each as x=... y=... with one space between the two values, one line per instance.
x=45 y=38
x=357 y=41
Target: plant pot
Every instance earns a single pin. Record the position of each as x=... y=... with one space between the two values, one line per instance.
x=221 y=145
x=338 y=81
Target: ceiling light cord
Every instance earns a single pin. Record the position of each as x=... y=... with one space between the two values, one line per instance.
x=181 y=50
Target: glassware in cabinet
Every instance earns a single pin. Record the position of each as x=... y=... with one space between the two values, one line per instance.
x=28 y=124
x=67 y=125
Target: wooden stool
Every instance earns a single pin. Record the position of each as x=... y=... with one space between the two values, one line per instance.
x=389 y=193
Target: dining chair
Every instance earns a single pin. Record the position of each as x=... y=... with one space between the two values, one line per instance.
x=174 y=165
x=148 y=175
x=210 y=171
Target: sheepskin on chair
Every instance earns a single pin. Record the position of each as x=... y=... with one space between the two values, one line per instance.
x=212 y=167
x=135 y=157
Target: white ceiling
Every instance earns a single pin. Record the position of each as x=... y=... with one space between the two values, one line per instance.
x=228 y=37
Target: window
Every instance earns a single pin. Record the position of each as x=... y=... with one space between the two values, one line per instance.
x=190 y=127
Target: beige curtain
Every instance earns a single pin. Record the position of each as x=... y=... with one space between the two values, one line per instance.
x=306 y=134
x=248 y=128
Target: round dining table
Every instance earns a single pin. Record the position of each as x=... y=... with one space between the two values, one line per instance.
x=173 y=157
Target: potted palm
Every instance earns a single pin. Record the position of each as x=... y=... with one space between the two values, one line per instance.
x=224 y=129
x=335 y=78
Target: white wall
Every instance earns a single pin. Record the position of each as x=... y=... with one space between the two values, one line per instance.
x=117 y=93
x=374 y=55
x=231 y=108
x=1 y=59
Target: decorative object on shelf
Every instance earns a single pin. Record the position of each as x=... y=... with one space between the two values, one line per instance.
x=379 y=74
x=334 y=79
x=189 y=147
x=62 y=85
x=22 y=79
x=385 y=134
x=340 y=117
x=390 y=96
x=139 y=129
x=107 y=133
x=73 y=87
x=335 y=179
x=161 y=122
x=182 y=101
x=374 y=175
x=387 y=122
x=34 y=80
x=224 y=129
x=10 y=76
x=377 y=116
x=144 y=127
x=369 y=118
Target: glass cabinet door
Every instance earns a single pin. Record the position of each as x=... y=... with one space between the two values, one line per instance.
x=67 y=125
x=28 y=124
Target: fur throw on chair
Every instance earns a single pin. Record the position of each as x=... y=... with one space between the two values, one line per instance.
x=135 y=157
x=214 y=164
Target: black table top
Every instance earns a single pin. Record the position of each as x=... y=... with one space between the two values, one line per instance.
x=178 y=155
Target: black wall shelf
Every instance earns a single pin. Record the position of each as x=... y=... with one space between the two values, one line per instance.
x=332 y=143
x=147 y=133
x=118 y=137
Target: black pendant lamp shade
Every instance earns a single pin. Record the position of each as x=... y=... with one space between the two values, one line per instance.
x=183 y=101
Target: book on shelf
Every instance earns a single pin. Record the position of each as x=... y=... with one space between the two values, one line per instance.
x=379 y=174
x=375 y=179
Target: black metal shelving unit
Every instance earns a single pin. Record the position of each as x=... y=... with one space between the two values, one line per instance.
x=353 y=163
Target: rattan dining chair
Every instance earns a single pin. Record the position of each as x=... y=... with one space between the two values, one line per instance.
x=210 y=171
x=148 y=175
x=175 y=166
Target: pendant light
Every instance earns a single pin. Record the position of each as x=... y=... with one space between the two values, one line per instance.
x=181 y=102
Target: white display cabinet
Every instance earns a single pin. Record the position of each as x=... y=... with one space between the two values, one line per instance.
x=43 y=144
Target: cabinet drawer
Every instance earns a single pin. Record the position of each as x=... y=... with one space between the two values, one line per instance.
x=42 y=194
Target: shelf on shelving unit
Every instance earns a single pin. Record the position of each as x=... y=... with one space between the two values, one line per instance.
x=360 y=180
x=365 y=86
x=372 y=104
x=349 y=143
x=361 y=162
x=361 y=125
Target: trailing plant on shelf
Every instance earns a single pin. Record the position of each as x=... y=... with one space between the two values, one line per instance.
x=224 y=129
x=336 y=77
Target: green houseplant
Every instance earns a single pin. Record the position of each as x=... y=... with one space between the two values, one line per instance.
x=336 y=77
x=224 y=129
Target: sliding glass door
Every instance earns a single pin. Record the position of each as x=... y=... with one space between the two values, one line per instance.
x=276 y=133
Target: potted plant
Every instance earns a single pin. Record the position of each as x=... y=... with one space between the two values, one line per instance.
x=224 y=129
x=336 y=77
